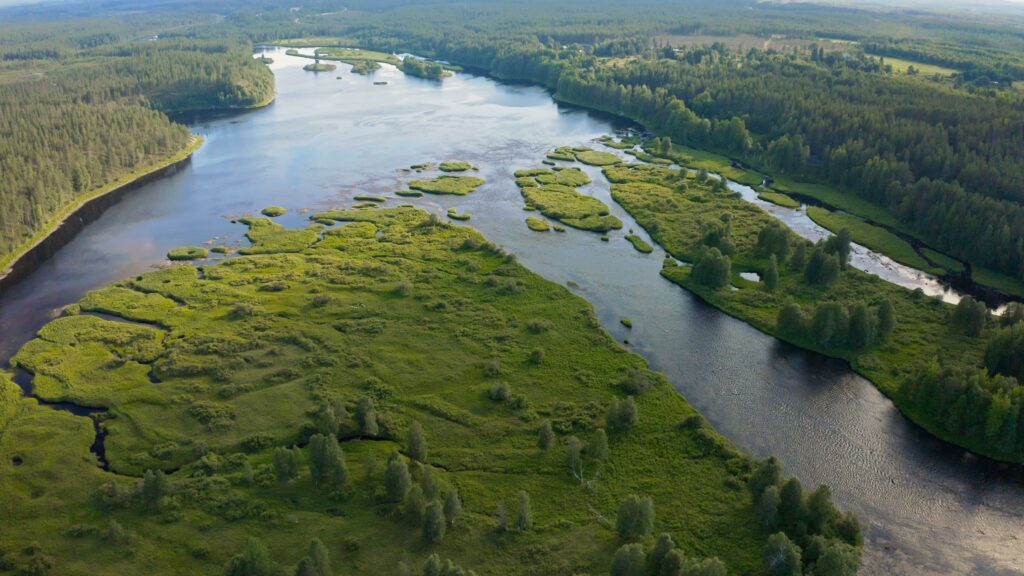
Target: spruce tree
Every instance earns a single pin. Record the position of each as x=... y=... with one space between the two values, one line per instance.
x=524 y=516
x=771 y=274
x=635 y=518
x=434 y=523
x=417 y=443
x=452 y=507
x=396 y=479
x=546 y=436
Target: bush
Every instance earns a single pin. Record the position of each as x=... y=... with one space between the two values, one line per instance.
x=500 y=392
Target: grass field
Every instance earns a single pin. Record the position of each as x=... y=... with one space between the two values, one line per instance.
x=779 y=199
x=214 y=368
x=1008 y=284
x=900 y=66
x=873 y=237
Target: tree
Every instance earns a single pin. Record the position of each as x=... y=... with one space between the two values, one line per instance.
x=598 y=449
x=781 y=557
x=254 y=560
x=969 y=316
x=767 y=507
x=767 y=472
x=327 y=462
x=433 y=566
x=771 y=274
x=792 y=508
x=287 y=462
x=574 y=457
x=822 y=268
x=502 y=517
x=773 y=240
x=415 y=505
x=434 y=523
x=326 y=421
x=396 y=479
x=672 y=564
x=820 y=510
x=417 y=443
x=306 y=567
x=636 y=518
x=154 y=489
x=1004 y=354
x=791 y=320
x=546 y=436
x=837 y=559
x=662 y=546
x=524 y=516
x=628 y=560
x=862 y=326
x=366 y=416
x=886 y=319
x=621 y=415
x=798 y=261
x=452 y=507
x=427 y=483
x=714 y=269
x=320 y=557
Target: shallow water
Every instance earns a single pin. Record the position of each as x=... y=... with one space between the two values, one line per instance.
x=931 y=508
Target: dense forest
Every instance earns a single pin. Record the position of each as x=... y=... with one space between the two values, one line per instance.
x=81 y=110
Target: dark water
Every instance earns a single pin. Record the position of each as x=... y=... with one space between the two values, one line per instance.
x=931 y=509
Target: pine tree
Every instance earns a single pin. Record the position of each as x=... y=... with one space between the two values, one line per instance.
x=396 y=479
x=417 y=443
x=886 y=319
x=546 y=436
x=434 y=523
x=771 y=274
x=628 y=560
x=320 y=558
x=286 y=463
x=253 y=561
x=524 y=516
x=452 y=507
x=154 y=489
x=327 y=462
x=662 y=547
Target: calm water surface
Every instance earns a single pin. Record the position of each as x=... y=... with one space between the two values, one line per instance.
x=930 y=508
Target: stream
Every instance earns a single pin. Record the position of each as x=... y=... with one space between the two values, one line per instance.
x=928 y=507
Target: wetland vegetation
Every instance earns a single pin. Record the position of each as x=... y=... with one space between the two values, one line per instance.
x=425 y=405
x=553 y=192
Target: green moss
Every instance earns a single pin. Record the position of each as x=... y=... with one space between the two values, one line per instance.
x=250 y=351
x=563 y=153
x=639 y=243
x=453 y=166
x=273 y=211
x=409 y=193
x=447 y=184
x=779 y=199
x=187 y=253
x=537 y=224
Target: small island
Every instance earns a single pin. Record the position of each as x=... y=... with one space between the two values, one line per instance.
x=187 y=253
x=319 y=66
x=423 y=68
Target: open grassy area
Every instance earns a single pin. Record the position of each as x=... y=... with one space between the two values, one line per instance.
x=695 y=159
x=675 y=218
x=875 y=238
x=943 y=261
x=1010 y=285
x=901 y=66
x=448 y=184
x=838 y=199
x=779 y=199
x=212 y=370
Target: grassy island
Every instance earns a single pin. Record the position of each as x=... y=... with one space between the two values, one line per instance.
x=187 y=253
x=274 y=211
x=455 y=166
x=388 y=389
x=554 y=193
x=448 y=184
x=319 y=67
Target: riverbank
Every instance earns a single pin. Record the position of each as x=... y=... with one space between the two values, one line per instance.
x=71 y=219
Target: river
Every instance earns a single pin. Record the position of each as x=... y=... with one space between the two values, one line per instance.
x=929 y=508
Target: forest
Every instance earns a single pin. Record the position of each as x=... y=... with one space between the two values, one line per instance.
x=82 y=110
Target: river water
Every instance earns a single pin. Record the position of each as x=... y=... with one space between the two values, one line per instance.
x=929 y=508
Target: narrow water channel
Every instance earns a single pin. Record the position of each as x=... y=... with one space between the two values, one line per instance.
x=930 y=508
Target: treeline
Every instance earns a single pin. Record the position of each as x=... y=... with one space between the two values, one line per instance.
x=100 y=116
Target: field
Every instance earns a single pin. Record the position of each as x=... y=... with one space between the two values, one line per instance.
x=394 y=318
x=900 y=66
